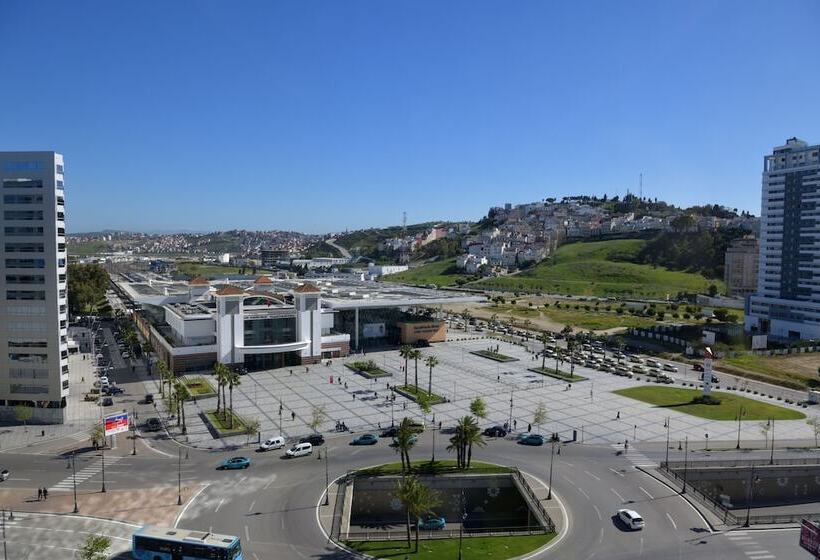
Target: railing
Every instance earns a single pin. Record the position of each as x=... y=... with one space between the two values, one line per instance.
x=338 y=506
x=763 y=462
x=523 y=483
x=401 y=534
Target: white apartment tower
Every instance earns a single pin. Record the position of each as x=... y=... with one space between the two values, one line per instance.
x=787 y=302
x=33 y=303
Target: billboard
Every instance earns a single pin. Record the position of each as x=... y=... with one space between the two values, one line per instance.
x=116 y=423
x=810 y=537
x=760 y=342
x=373 y=330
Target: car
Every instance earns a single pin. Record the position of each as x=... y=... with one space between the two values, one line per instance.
x=495 y=431
x=411 y=440
x=421 y=343
x=365 y=439
x=234 y=463
x=104 y=380
x=125 y=355
x=670 y=367
x=276 y=442
x=107 y=401
x=153 y=424
x=149 y=399
x=299 y=450
x=390 y=432
x=653 y=363
x=431 y=523
x=4 y=474
x=697 y=367
x=715 y=378
x=632 y=519
x=313 y=439
x=665 y=378
x=112 y=390
x=531 y=439
x=635 y=360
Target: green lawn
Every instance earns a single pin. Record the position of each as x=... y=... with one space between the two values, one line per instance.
x=368 y=367
x=562 y=375
x=438 y=467
x=601 y=268
x=207 y=270
x=87 y=248
x=592 y=320
x=484 y=548
x=495 y=356
x=680 y=400
x=199 y=387
x=799 y=369
x=440 y=273
x=413 y=392
x=222 y=425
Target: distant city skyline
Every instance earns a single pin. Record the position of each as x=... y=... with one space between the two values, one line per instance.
x=333 y=117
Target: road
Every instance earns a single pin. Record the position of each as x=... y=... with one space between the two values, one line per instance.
x=332 y=242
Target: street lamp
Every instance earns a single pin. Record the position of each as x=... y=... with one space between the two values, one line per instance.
x=179 y=476
x=707 y=441
x=105 y=442
x=741 y=411
x=327 y=478
x=74 y=480
x=771 y=460
x=511 y=410
x=461 y=525
x=667 y=442
x=552 y=458
x=752 y=481
x=685 y=463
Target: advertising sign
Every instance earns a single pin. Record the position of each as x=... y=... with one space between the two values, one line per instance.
x=373 y=330
x=116 y=423
x=810 y=537
x=759 y=342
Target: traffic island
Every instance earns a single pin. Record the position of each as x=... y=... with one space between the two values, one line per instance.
x=558 y=374
x=497 y=511
x=494 y=356
x=414 y=394
x=220 y=424
x=198 y=388
x=367 y=369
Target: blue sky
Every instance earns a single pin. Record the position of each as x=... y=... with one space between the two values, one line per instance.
x=322 y=116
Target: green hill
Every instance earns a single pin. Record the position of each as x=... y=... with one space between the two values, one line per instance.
x=601 y=268
x=440 y=273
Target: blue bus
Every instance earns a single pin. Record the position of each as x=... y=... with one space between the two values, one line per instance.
x=165 y=543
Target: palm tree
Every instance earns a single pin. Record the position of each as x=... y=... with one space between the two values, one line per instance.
x=467 y=434
x=415 y=355
x=162 y=369
x=418 y=500
x=221 y=373
x=571 y=344
x=234 y=380
x=405 y=352
x=472 y=436
x=543 y=338
x=430 y=362
x=404 y=441
x=466 y=315
x=181 y=394
x=457 y=445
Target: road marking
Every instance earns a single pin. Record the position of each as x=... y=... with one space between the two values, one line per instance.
x=219 y=505
x=598 y=512
x=640 y=553
x=755 y=552
x=761 y=557
x=271 y=481
x=616 y=493
x=616 y=472
x=581 y=490
x=601 y=535
x=186 y=506
x=651 y=497
x=253 y=503
x=672 y=521
x=247 y=534
x=593 y=476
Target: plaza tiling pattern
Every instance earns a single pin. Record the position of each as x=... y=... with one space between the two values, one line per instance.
x=588 y=408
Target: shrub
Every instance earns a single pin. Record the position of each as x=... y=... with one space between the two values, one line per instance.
x=706 y=399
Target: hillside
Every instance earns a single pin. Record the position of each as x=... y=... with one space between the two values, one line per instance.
x=364 y=242
x=601 y=268
x=440 y=273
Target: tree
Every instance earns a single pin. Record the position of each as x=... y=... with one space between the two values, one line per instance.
x=234 y=380
x=404 y=441
x=430 y=362
x=317 y=417
x=544 y=339
x=97 y=435
x=252 y=428
x=815 y=424
x=406 y=352
x=713 y=290
x=162 y=370
x=415 y=355
x=181 y=394
x=466 y=316
x=221 y=372
x=466 y=435
x=425 y=402
x=540 y=415
x=23 y=413
x=95 y=547
x=478 y=408
x=764 y=430
x=418 y=500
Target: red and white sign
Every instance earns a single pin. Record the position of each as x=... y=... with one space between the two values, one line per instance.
x=116 y=424
x=810 y=537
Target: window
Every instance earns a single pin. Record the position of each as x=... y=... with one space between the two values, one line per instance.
x=60 y=216
x=25 y=248
x=23 y=231
x=65 y=383
x=61 y=247
x=59 y=168
x=23 y=199
x=21 y=343
x=28 y=358
x=23 y=214
x=28 y=373
x=61 y=278
x=26 y=263
x=28 y=389
x=61 y=200
x=25 y=279
x=22 y=183
x=59 y=183
x=26 y=295
x=62 y=294
x=61 y=263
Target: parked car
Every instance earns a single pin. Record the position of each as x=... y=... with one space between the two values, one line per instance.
x=234 y=463
x=631 y=518
x=390 y=432
x=153 y=424
x=670 y=367
x=412 y=440
x=495 y=431
x=313 y=439
x=4 y=474
x=149 y=399
x=715 y=378
x=697 y=367
x=299 y=450
x=531 y=439
x=365 y=439
x=276 y=442
x=107 y=401
x=431 y=523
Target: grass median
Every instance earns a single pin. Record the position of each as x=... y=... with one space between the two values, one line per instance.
x=681 y=401
x=558 y=374
x=435 y=467
x=495 y=356
x=497 y=548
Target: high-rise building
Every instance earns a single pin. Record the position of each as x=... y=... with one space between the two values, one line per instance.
x=741 y=266
x=33 y=303
x=787 y=302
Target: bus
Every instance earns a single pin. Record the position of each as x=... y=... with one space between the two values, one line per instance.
x=166 y=543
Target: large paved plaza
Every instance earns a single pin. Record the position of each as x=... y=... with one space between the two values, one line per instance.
x=589 y=408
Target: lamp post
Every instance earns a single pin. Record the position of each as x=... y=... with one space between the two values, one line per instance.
x=707 y=441
x=511 y=409
x=461 y=525
x=771 y=459
x=105 y=442
x=327 y=478
x=433 y=458
x=667 y=442
x=750 y=496
x=740 y=414
x=685 y=463
x=179 y=476
x=133 y=433
x=74 y=480
x=552 y=457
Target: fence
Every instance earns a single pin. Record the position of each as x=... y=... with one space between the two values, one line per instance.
x=401 y=534
x=523 y=484
x=743 y=463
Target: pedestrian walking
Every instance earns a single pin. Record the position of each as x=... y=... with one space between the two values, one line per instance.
x=618 y=415
x=292 y=416
x=515 y=424
x=354 y=396
x=345 y=384
x=529 y=427
x=39 y=493
x=45 y=493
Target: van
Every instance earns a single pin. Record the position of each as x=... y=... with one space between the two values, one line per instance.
x=652 y=363
x=276 y=442
x=300 y=450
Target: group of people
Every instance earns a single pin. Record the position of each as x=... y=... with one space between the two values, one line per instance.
x=42 y=493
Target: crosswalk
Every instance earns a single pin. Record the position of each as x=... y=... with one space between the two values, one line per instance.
x=634 y=456
x=92 y=470
x=751 y=548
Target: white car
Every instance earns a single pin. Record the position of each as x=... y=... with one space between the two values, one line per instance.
x=277 y=442
x=104 y=379
x=653 y=364
x=670 y=367
x=631 y=519
x=300 y=450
